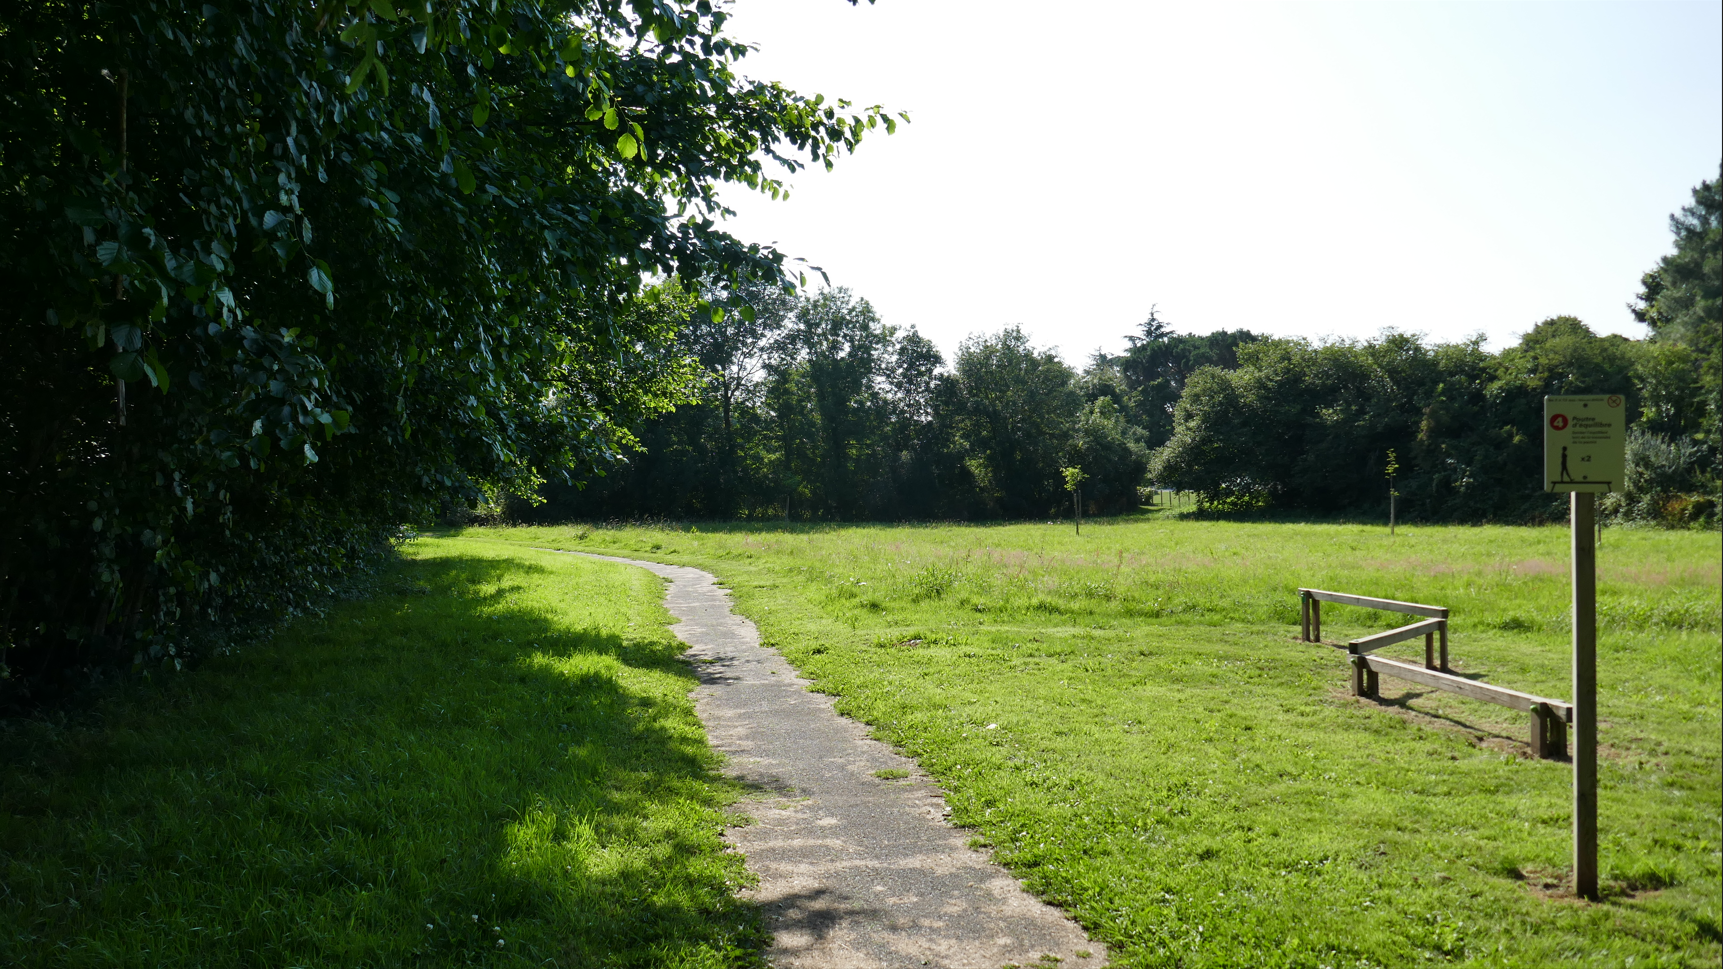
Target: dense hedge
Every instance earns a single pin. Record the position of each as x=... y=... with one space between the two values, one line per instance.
x=282 y=276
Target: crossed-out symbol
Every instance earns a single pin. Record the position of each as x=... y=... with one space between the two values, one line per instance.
x=1558 y=422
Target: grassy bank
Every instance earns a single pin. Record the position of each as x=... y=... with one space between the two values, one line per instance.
x=493 y=762
x=1128 y=719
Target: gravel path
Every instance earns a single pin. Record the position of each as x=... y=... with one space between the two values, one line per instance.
x=855 y=871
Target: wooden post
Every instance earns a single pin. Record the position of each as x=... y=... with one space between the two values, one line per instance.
x=1430 y=650
x=1304 y=627
x=1443 y=645
x=1316 y=620
x=1357 y=675
x=1584 y=511
x=1549 y=733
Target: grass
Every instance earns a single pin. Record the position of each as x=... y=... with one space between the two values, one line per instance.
x=1128 y=720
x=492 y=762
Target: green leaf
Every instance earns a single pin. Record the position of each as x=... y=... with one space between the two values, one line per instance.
x=464 y=177
x=84 y=213
x=627 y=145
x=717 y=314
x=384 y=9
x=358 y=78
x=481 y=113
x=319 y=280
x=127 y=366
x=158 y=371
x=610 y=119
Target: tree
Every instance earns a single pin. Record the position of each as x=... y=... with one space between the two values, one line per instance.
x=281 y=277
x=1010 y=408
x=1682 y=301
x=1159 y=362
x=1111 y=453
x=828 y=397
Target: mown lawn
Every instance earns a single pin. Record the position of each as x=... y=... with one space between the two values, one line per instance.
x=1128 y=718
x=492 y=762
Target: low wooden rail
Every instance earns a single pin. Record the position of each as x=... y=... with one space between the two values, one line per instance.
x=1435 y=631
x=1549 y=717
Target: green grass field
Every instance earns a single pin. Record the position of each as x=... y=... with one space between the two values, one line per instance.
x=494 y=761
x=1128 y=719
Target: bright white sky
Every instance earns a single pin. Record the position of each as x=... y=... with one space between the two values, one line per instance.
x=1295 y=169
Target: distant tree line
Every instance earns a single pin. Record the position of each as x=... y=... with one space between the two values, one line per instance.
x=814 y=409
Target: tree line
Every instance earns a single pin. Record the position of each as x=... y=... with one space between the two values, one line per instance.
x=815 y=409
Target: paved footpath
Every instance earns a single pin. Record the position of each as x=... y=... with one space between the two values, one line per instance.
x=855 y=872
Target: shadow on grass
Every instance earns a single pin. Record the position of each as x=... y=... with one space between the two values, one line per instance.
x=440 y=775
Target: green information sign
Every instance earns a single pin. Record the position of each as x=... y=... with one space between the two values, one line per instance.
x=1585 y=443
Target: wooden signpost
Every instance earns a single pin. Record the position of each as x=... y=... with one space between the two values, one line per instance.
x=1585 y=453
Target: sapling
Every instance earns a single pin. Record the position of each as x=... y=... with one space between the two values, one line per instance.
x=1074 y=484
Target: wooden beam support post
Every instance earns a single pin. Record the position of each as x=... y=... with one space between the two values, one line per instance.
x=1549 y=733
x=1304 y=602
x=1316 y=619
x=1584 y=533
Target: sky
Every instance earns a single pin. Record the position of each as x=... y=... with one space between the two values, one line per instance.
x=1314 y=170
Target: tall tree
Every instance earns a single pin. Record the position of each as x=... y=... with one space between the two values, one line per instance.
x=828 y=395
x=1682 y=301
x=1157 y=364
x=280 y=276
x=1011 y=408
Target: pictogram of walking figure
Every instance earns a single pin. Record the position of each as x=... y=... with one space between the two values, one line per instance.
x=1566 y=475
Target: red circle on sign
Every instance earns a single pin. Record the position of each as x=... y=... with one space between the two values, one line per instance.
x=1614 y=400
x=1558 y=422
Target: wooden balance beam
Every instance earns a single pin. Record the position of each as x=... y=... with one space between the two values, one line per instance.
x=1549 y=717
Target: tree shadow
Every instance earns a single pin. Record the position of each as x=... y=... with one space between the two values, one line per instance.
x=442 y=774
